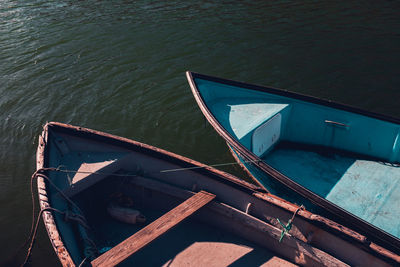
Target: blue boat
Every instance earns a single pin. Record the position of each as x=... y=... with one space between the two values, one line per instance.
x=108 y=200
x=337 y=160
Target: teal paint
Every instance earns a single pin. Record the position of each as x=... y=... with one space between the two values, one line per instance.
x=71 y=160
x=303 y=122
x=313 y=171
x=396 y=149
x=365 y=188
x=368 y=189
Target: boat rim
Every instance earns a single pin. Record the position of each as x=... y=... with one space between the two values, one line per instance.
x=381 y=236
x=42 y=186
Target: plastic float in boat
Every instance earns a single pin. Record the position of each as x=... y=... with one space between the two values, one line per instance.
x=125 y=214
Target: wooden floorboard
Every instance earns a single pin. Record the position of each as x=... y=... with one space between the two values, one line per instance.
x=154 y=230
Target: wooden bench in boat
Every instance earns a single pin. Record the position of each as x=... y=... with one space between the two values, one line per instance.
x=154 y=230
x=233 y=220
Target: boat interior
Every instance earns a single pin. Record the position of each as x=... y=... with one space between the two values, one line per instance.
x=223 y=222
x=92 y=174
x=347 y=158
x=201 y=239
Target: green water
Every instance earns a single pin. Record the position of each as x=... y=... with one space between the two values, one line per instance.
x=118 y=66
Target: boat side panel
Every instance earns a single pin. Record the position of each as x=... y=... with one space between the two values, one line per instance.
x=240 y=111
x=318 y=125
x=192 y=77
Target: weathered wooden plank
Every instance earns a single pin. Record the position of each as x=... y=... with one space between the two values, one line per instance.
x=154 y=230
x=251 y=228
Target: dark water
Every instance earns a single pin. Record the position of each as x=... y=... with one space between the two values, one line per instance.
x=118 y=66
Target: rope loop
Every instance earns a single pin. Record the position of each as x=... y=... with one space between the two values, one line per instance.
x=288 y=226
x=71 y=216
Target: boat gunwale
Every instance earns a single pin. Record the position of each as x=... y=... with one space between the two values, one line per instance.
x=42 y=186
x=379 y=236
x=156 y=153
x=48 y=216
x=224 y=177
x=295 y=95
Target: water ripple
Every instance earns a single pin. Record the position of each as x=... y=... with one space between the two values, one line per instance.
x=118 y=66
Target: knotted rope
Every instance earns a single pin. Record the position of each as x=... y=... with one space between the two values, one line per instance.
x=288 y=226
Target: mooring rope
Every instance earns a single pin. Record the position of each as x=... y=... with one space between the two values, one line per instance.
x=213 y=165
x=33 y=217
x=67 y=215
x=288 y=226
x=59 y=169
x=33 y=233
x=56 y=187
x=77 y=217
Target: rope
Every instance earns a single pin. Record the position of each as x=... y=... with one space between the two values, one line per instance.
x=59 y=169
x=34 y=175
x=396 y=165
x=56 y=187
x=288 y=226
x=70 y=216
x=32 y=236
x=214 y=165
x=83 y=262
x=67 y=215
x=33 y=214
x=77 y=217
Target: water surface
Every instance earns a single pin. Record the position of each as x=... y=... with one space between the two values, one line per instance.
x=118 y=66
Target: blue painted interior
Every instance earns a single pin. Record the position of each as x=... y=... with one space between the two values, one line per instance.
x=70 y=160
x=315 y=171
x=302 y=122
x=367 y=188
x=242 y=124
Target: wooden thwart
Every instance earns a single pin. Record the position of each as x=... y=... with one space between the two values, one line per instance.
x=154 y=230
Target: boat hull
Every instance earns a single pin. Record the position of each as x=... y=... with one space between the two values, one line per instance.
x=315 y=158
x=81 y=171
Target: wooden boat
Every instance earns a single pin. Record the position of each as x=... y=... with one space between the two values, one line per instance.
x=337 y=160
x=228 y=221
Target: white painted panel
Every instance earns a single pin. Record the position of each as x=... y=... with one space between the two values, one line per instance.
x=266 y=135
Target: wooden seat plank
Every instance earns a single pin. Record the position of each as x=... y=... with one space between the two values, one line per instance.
x=154 y=230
